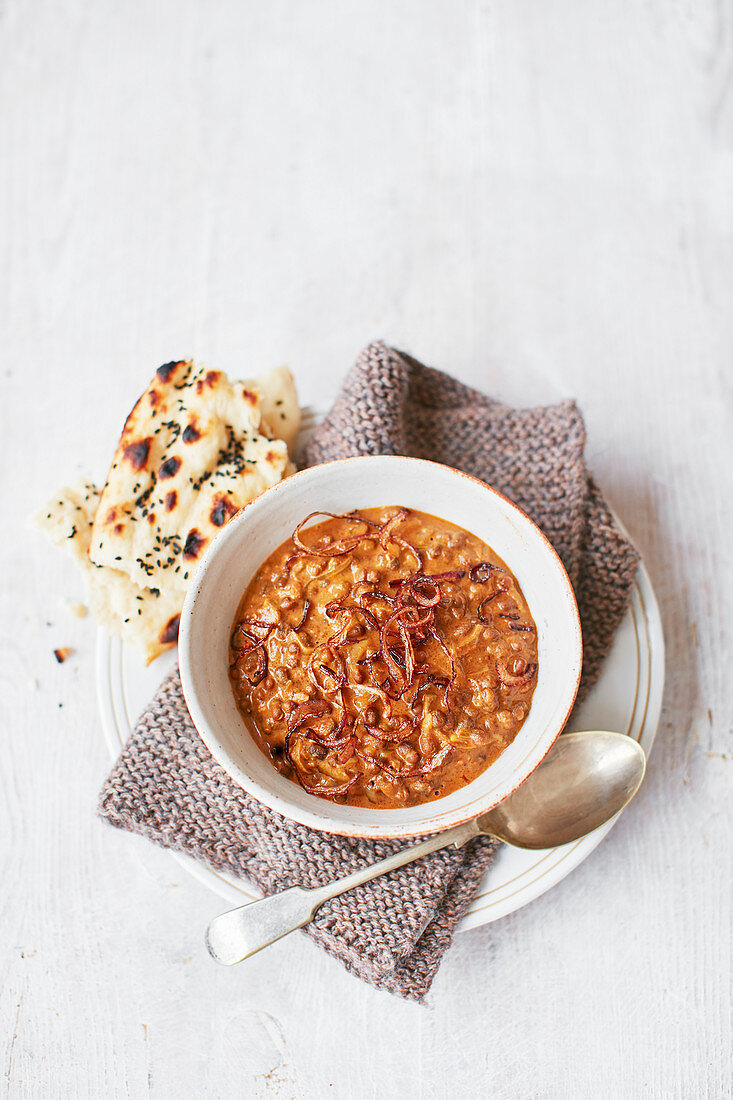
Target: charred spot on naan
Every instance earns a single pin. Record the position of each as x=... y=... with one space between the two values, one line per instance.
x=223 y=510
x=209 y=380
x=167 y=369
x=169 y=634
x=136 y=453
x=169 y=468
x=170 y=500
x=191 y=433
x=195 y=541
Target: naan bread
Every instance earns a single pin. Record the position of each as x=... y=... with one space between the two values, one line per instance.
x=190 y=456
x=146 y=618
x=195 y=449
x=279 y=406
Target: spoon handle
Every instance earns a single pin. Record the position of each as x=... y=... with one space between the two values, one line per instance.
x=244 y=931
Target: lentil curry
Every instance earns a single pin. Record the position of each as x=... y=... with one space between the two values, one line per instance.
x=383 y=658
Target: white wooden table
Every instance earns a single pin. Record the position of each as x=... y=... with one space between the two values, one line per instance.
x=536 y=196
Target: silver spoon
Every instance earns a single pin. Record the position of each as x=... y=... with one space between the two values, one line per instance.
x=584 y=780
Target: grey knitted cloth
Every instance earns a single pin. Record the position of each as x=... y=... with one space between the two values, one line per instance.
x=391 y=932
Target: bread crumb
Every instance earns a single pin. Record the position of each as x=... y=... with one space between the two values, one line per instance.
x=79 y=610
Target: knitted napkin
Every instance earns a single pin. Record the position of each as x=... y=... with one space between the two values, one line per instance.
x=393 y=931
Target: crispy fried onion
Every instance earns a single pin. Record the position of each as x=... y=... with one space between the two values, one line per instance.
x=327 y=669
x=255 y=632
x=343 y=613
x=336 y=547
x=314 y=775
x=387 y=535
x=482 y=573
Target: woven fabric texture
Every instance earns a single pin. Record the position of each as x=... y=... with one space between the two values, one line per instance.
x=393 y=931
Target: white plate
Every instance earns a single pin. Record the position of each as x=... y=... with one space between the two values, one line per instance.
x=627 y=696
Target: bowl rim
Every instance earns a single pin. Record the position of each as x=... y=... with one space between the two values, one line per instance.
x=321 y=822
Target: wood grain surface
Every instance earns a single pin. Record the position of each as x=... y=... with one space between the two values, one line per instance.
x=535 y=196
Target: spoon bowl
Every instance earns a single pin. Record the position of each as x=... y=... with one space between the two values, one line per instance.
x=584 y=781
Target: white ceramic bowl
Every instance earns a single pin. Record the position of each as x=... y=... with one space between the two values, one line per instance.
x=236 y=554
